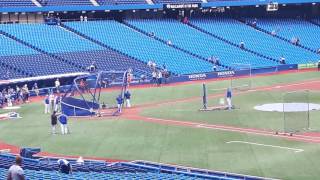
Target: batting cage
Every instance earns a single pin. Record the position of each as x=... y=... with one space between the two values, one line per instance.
x=84 y=96
x=296 y=111
x=245 y=83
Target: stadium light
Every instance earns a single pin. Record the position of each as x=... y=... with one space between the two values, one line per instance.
x=314 y=3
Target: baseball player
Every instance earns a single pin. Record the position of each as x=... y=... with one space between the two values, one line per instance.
x=229 y=98
x=63 y=119
x=127 y=97
x=119 y=102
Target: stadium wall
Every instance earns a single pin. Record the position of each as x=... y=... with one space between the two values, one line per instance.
x=232 y=73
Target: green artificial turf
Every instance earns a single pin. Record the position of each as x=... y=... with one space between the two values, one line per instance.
x=119 y=138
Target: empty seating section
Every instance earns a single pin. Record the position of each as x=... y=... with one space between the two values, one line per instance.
x=202 y=44
x=65 y=2
x=10 y=47
x=115 y=2
x=257 y=41
x=133 y=48
x=16 y=3
x=39 y=65
x=52 y=39
x=6 y=74
x=108 y=60
x=177 y=1
x=307 y=32
x=63 y=43
x=138 y=45
x=24 y=58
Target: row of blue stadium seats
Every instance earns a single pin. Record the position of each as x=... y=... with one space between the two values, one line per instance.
x=54 y=39
x=178 y=1
x=202 y=44
x=258 y=41
x=15 y=3
x=39 y=64
x=306 y=31
x=140 y=46
x=65 y=2
x=33 y=174
x=112 y=2
x=62 y=43
x=47 y=168
x=108 y=60
x=131 y=45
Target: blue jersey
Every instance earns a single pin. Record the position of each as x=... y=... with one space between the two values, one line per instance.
x=46 y=101
x=119 y=100
x=63 y=119
x=229 y=94
x=127 y=95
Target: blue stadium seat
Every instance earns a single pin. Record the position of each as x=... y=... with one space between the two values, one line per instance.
x=307 y=32
x=16 y=3
x=116 y=2
x=202 y=44
x=140 y=46
x=65 y=2
x=47 y=168
x=177 y=1
x=258 y=41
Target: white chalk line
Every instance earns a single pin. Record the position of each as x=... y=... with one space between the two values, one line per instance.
x=267 y=145
x=235 y=129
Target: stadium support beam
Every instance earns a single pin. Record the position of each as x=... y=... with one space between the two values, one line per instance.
x=36 y=3
x=94 y=2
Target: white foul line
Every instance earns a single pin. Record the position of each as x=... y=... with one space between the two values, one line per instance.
x=266 y=145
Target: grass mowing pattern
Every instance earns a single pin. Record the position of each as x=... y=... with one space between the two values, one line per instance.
x=125 y=139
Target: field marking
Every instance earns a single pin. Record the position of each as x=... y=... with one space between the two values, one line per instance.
x=232 y=129
x=219 y=89
x=267 y=145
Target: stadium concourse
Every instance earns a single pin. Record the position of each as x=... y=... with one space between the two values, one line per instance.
x=171 y=42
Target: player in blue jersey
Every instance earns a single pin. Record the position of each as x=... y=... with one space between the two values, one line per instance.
x=119 y=102
x=63 y=119
x=229 y=98
x=46 y=105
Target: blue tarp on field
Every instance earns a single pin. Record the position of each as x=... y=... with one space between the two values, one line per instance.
x=71 y=106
